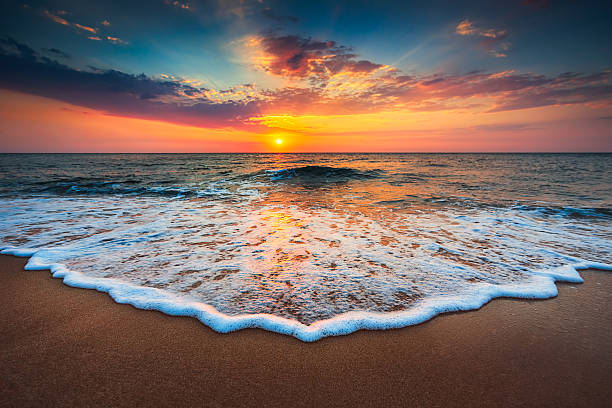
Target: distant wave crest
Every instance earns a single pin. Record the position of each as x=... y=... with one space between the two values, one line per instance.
x=125 y=187
x=322 y=174
x=568 y=211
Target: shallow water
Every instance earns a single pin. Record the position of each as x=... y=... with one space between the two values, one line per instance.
x=310 y=244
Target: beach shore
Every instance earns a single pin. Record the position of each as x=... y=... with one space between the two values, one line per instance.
x=63 y=346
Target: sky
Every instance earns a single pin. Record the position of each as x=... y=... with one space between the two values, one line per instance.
x=305 y=76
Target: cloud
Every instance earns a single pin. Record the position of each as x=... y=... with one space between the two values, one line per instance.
x=357 y=86
x=92 y=32
x=24 y=70
x=57 y=18
x=485 y=92
x=82 y=27
x=11 y=47
x=115 y=40
x=490 y=39
x=60 y=20
x=565 y=89
x=56 y=53
x=180 y=4
x=467 y=28
x=298 y=57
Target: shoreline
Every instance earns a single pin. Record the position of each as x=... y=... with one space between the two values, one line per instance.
x=544 y=286
x=63 y=345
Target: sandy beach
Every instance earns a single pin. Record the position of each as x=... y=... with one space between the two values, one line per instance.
x=75 y=347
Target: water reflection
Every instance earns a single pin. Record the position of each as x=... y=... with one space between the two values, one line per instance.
x=308 y=237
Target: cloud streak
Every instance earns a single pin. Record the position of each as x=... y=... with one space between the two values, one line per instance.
x=115 y=40
x=56 y=18
x=23 y=69
x=490 y=39
x=328 y=77
x=344 y=85
x=92 y=33
x=179 y=4
x=86 y=28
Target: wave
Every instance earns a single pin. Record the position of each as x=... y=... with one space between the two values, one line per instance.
x=320 y=174
x=111 y=188
x=132 y=186
x=80 y=186
x=542 y=286
x=569 y=212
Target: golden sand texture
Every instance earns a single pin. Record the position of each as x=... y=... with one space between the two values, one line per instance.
x=62 y=346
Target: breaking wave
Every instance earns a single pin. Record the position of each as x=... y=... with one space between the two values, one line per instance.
x=320 y=174
x=308 y=245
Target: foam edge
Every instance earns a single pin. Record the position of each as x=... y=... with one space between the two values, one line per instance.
x=542 y=287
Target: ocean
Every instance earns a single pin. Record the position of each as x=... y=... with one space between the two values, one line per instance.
x=309 y=245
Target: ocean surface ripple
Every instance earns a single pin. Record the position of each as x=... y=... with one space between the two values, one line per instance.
x=310 y=245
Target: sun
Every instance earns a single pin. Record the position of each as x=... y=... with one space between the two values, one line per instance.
x=279 y=141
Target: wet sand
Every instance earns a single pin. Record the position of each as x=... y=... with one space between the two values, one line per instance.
x=62 y=346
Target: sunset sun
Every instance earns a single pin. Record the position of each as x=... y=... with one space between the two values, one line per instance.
x=279 y=141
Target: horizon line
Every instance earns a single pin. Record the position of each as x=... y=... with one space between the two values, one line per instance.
x=347 y=152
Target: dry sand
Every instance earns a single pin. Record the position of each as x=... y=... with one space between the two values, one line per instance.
x=75 y=347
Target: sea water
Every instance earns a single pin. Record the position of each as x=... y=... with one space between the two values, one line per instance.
x=309 y=245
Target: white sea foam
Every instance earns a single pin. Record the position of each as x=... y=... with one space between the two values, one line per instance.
x=541 y=285
x=306 y=271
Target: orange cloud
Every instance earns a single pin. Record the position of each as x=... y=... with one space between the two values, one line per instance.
x=491 y=39
x=63 y=127
x=350 y=100
x=68 y=128
x=305 y=58
x=182 y=5
x=82 y=27
x=466 y=28
x=78 y=26
x=115 y=40
x=57 y=18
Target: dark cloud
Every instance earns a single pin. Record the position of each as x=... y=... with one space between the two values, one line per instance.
x=293 y=56
x=173 y=100
x=11 y=47
x=114 y=92
x=56 y=53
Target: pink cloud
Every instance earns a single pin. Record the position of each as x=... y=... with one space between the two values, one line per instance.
x=298 y=57
x=185 y=101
